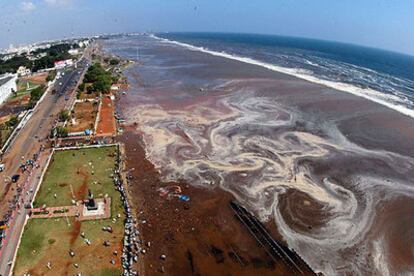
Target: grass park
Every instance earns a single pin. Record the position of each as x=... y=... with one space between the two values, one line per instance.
x=46 y=243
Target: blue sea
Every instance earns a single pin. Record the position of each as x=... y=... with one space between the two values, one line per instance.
x=378 y=75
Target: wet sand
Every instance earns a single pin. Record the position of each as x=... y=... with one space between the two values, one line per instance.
x=329 y=172
x=199 y=237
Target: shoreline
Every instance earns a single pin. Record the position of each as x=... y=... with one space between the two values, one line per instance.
x=346 y=143
x=369 y=94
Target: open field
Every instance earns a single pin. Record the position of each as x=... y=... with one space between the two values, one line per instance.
x=86 y=96
x=20 y=99
x=38 y=78
x=69 y=176
x=26 y=84
x=83 y=116
x=106 y=124
x=34 y=80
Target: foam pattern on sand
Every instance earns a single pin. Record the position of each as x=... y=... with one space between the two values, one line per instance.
x=258 y=150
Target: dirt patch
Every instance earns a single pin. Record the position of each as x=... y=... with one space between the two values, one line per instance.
x=4 y=119
x=106 y=124
x=199 y=237
x=84 y=95
x=39 y=78
x=74 y=234
x=82 y=192
x=83 y=116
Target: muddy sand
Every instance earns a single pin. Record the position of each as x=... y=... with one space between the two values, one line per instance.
x=331 y=172
x=198 y=237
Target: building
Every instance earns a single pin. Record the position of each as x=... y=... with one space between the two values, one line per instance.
x=63 y=63
x=23 y=71
x=7 y=86
x=84 y=43
x=115 y=87
x=36 y=57
x=73 y=52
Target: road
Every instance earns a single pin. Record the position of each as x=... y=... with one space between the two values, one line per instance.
x=28 y=142
x=36 y=131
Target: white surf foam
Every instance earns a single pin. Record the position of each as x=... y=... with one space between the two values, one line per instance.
x=390 y=101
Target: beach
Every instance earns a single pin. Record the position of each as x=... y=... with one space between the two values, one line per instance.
x=329 y=173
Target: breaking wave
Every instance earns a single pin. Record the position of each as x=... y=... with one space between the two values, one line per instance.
x=396 y=101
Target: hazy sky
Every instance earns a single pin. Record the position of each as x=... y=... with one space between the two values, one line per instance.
x=387 y=24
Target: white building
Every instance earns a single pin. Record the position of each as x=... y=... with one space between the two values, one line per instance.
x=63 y=63
x=7 y=86
x=23 y=71
x=36 y=57
x=84 y=43
x=73 y=52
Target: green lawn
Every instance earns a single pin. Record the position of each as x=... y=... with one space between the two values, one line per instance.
x=4 y=135
x=20 y=94
x=49 y=240
x=71 y=173
x=22 y=85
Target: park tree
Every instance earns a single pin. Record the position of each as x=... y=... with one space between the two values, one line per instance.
x=113 y=61
x=13 y=121
x=63 y=115
x=82 y=86
x=35 y=95
x=51 y=76
x=61 y=131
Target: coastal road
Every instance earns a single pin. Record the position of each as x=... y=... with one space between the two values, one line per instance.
x=35 y=132
x=17 y=224
x=28 y=142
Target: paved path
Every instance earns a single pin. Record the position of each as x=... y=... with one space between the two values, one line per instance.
x=106 y=123
x=73 y=210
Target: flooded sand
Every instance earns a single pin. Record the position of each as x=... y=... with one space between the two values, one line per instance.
x=330 y=172
x=199 y=237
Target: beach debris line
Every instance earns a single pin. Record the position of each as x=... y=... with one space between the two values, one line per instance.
x=132 y=243
x=172 y=191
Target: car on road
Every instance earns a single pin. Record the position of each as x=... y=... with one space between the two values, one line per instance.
x=2 y=167
x=3 y=225
x=15 y=178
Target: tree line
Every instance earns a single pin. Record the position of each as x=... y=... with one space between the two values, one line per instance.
x=53 y=54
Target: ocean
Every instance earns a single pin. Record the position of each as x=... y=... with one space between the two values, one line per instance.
x=378 y=75
x=275 y=123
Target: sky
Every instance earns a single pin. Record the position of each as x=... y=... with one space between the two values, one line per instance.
x=386 y=24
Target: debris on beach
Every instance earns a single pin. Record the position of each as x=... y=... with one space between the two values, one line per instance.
x=71 y=253
x=173 y=191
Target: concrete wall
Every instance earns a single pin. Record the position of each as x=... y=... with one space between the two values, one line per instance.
x=5 y=89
